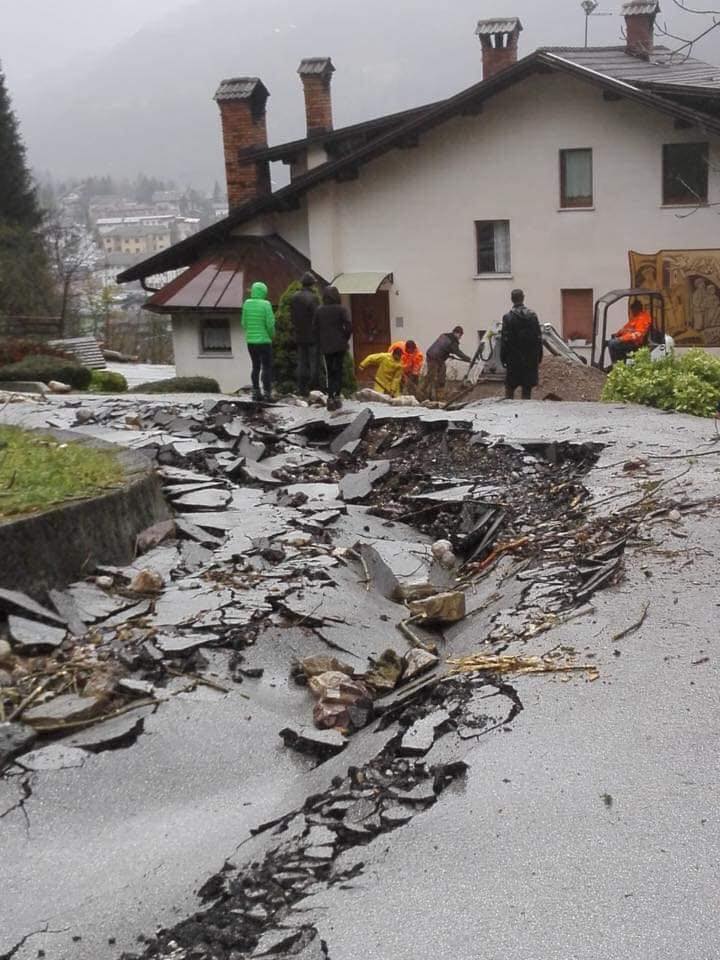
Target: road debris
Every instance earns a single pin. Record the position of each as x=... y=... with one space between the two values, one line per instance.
x=508 y=664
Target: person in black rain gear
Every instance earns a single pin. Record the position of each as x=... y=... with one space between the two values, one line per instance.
x=521 y=348
x=332 y=329
x=302 y=311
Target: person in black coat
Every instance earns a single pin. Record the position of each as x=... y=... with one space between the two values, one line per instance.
x=332 y=330
x=521 y=347
x=302 y=311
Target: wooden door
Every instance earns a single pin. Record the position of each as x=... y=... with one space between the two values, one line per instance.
x=577 y=314
x=371 y=323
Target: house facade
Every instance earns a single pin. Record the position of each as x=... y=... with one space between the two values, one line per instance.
x=545 y=176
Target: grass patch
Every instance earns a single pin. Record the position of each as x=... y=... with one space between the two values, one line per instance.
x=38 y=471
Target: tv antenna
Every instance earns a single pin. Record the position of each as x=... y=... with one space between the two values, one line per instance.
x=589 y=7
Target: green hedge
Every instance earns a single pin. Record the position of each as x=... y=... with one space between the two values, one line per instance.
x=44 y=369
x=179 y=385
x=689 y=383
x=107 y=381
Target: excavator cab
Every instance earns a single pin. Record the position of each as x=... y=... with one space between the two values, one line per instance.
x=656 y=336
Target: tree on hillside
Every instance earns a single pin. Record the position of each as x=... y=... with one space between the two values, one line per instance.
x=25 y=283
x=72 y=254
x=18 y=199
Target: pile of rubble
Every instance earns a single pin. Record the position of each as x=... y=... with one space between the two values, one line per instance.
x=376 y=546
x=258 y=506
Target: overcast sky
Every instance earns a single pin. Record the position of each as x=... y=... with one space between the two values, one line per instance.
x=119 y=86
x=37 y=36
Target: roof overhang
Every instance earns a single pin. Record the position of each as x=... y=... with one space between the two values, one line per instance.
x=368 y=281
x=467 y=101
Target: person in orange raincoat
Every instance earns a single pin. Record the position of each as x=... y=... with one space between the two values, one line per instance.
x=412 y=361
x=633 y=335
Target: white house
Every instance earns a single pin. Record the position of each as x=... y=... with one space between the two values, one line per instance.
x=545 y=175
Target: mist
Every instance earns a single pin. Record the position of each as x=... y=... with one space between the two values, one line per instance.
x=119 y=86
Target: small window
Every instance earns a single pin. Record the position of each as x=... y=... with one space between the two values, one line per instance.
x=493 y=246
x=215 y=335
x=685 y=173
x=576 y=178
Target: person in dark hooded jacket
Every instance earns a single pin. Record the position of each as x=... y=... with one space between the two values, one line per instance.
x=303 y=305
x=521 y=348
x=332 y=329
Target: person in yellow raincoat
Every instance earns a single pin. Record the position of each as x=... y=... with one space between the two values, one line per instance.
x=389 y=372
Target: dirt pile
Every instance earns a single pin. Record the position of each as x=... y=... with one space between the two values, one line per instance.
x=570 y=381
x=560 y=379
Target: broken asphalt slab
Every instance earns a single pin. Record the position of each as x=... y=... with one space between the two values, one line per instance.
x=341 y=922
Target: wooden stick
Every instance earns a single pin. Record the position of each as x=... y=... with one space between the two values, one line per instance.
x=633 y=627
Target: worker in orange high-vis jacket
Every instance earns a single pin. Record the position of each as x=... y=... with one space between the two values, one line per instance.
x=633 y=335
x=412 y=361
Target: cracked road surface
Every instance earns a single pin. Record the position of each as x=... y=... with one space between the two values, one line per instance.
x=586 y=827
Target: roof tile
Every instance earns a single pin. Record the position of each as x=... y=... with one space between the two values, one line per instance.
x=316 y=66
x=508 y=25
x=238 y=88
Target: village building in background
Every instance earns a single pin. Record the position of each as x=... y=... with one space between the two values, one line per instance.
x=544 y=176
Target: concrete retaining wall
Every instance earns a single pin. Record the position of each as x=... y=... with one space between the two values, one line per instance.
x=56 y=547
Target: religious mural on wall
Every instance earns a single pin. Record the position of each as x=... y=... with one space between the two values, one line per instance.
x=690 y=283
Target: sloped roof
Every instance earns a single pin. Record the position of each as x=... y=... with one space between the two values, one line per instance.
x=407 y=131
x=664 y=68
x=220 y=280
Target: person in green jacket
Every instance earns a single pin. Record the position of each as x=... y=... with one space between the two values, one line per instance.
x=258 y=322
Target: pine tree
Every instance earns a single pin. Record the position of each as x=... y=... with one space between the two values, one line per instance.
x=26 y=285
x=18 y=199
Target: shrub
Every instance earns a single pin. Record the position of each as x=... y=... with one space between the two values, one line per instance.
x=179 y=385
x=688 y=384
x=284 y=346
x=14 y=349
x=107 y=381
x=45 y=369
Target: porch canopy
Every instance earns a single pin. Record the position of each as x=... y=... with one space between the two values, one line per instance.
x=219 y=282
x=368 y=282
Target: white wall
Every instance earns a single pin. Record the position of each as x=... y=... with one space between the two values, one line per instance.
x=232 y=371
x=412 y=212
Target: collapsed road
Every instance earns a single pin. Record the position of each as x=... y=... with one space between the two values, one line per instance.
x=310 y=711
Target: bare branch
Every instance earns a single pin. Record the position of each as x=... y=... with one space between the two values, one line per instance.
x=682 y=5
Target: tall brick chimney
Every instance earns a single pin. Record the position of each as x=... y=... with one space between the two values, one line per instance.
x=316 y=75
x=242 y=102
x=499 y=40
x=640 y=27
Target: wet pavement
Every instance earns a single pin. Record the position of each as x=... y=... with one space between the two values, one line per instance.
x=583 y=822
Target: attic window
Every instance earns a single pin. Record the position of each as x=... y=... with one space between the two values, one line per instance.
x=215 y=335
x=685 y=173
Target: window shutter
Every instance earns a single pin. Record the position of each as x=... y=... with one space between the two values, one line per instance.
x=577 y=314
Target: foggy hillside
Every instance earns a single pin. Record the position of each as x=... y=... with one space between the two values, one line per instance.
x=147 y=104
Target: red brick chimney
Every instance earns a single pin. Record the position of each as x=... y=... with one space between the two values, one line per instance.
x=316 y=75
x=242 y=102
x=640 y=27
x=499 y=39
